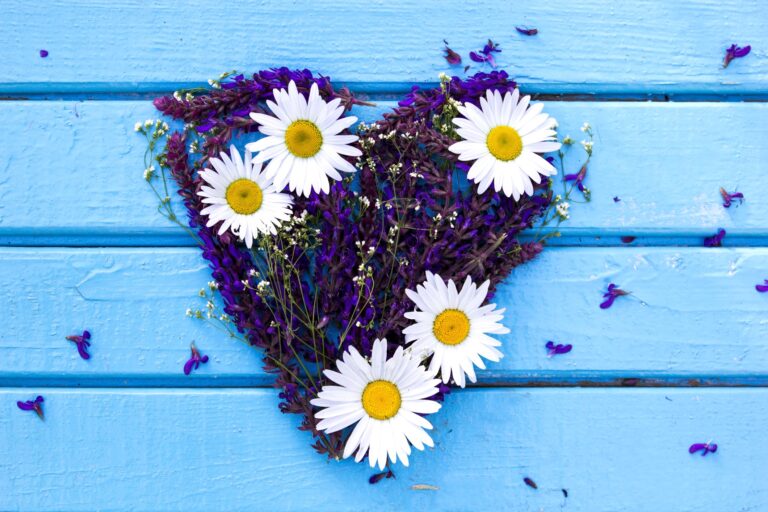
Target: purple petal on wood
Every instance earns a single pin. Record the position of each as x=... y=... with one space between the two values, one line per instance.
x=715 y=240
x=527 y=31
x=735 y=52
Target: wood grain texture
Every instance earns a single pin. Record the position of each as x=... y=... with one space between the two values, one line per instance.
x=593 y=46
x=694 y=318
x=85 y=161
x=612 y=450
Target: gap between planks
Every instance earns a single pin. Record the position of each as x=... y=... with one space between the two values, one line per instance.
x=366 y=91
x=571 y=381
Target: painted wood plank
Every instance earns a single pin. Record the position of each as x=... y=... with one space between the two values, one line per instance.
x=694 y=319
x=612 y=450
x=72 y=174
x=594 y=46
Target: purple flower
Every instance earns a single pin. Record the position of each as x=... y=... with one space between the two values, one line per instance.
x=735 y=52
x=527 y=31
x=553 y=350
x=486 y=54
x=33 y=405
x=451 y=57
x=715 y=240
x=235 y=81
x=628 y=239
x=706 y=447
x=610 y=296
x=206 y=126
x=730 y=198
x=762 y=288
x=195 y=360
x=43 y=53
x=578 y=178
x=374 y=479
x=530 y=483
x=82 y=343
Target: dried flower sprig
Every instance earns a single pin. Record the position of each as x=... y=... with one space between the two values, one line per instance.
x=559 y=209
x=33 y=405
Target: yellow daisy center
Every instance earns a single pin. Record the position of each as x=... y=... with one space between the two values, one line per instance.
x=381 y=399
x=244 y=196
x=451 y=327
x=504 y=143
x=303 y=138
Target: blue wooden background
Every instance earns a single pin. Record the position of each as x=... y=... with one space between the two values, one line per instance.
x=82 y=246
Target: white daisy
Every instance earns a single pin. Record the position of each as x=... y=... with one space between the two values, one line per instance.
x=385 y=398
x=303 y=142
x=241 y=196
x=503 y=137
x=453 y=327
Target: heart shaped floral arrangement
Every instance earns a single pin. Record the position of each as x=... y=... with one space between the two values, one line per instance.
x=361 y=264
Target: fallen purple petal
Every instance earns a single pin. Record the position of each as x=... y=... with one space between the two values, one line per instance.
x=616 y=199
x=578 y=178
x=527 y=31
x=33 y=405
x=735 y=52
x=715 y=240
x=374 y=479
x=628 y=239
x=611 y=295
x=476 y=57
x=762 y=288
x=730 y=197
x=486 y=54
x=43 y=53
x=451 y=57
x=82 y=342
x=557 y=349
x=194 y=362
x=530 y=483
x=704 y=448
